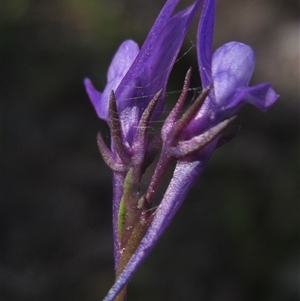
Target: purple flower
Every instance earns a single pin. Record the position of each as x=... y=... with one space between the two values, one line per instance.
x=192 y=139
x=132 y=98
x=137 y=75
x=227 y=72
x=122 y=61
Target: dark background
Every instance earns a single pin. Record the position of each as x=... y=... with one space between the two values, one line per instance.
x=235 y=237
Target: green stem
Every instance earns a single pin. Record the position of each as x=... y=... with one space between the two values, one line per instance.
x=128 y=250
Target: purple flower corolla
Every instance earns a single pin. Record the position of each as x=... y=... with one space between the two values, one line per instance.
x=227 y=72
x=118 y=68
x=225 y=77
x=137 y=75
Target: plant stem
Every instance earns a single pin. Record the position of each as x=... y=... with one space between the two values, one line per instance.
x=128 y=250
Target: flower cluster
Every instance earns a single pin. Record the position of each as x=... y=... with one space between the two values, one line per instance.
x=134 y=97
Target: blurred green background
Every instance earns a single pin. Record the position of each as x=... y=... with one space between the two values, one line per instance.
x=236 y=236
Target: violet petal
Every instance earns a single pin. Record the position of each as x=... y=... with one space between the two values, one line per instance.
x=232 y=68
x=151 y=69
x=94 y=95
x=261 y=96
x=119 y=66
x=204 y=42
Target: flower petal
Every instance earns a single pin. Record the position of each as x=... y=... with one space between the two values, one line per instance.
x=232 y=67
x=119 y=66
x=94 y=95
x=204 y=42
x=151 y=69
x=122 y=61
x=261 y=96
x=149 y=45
